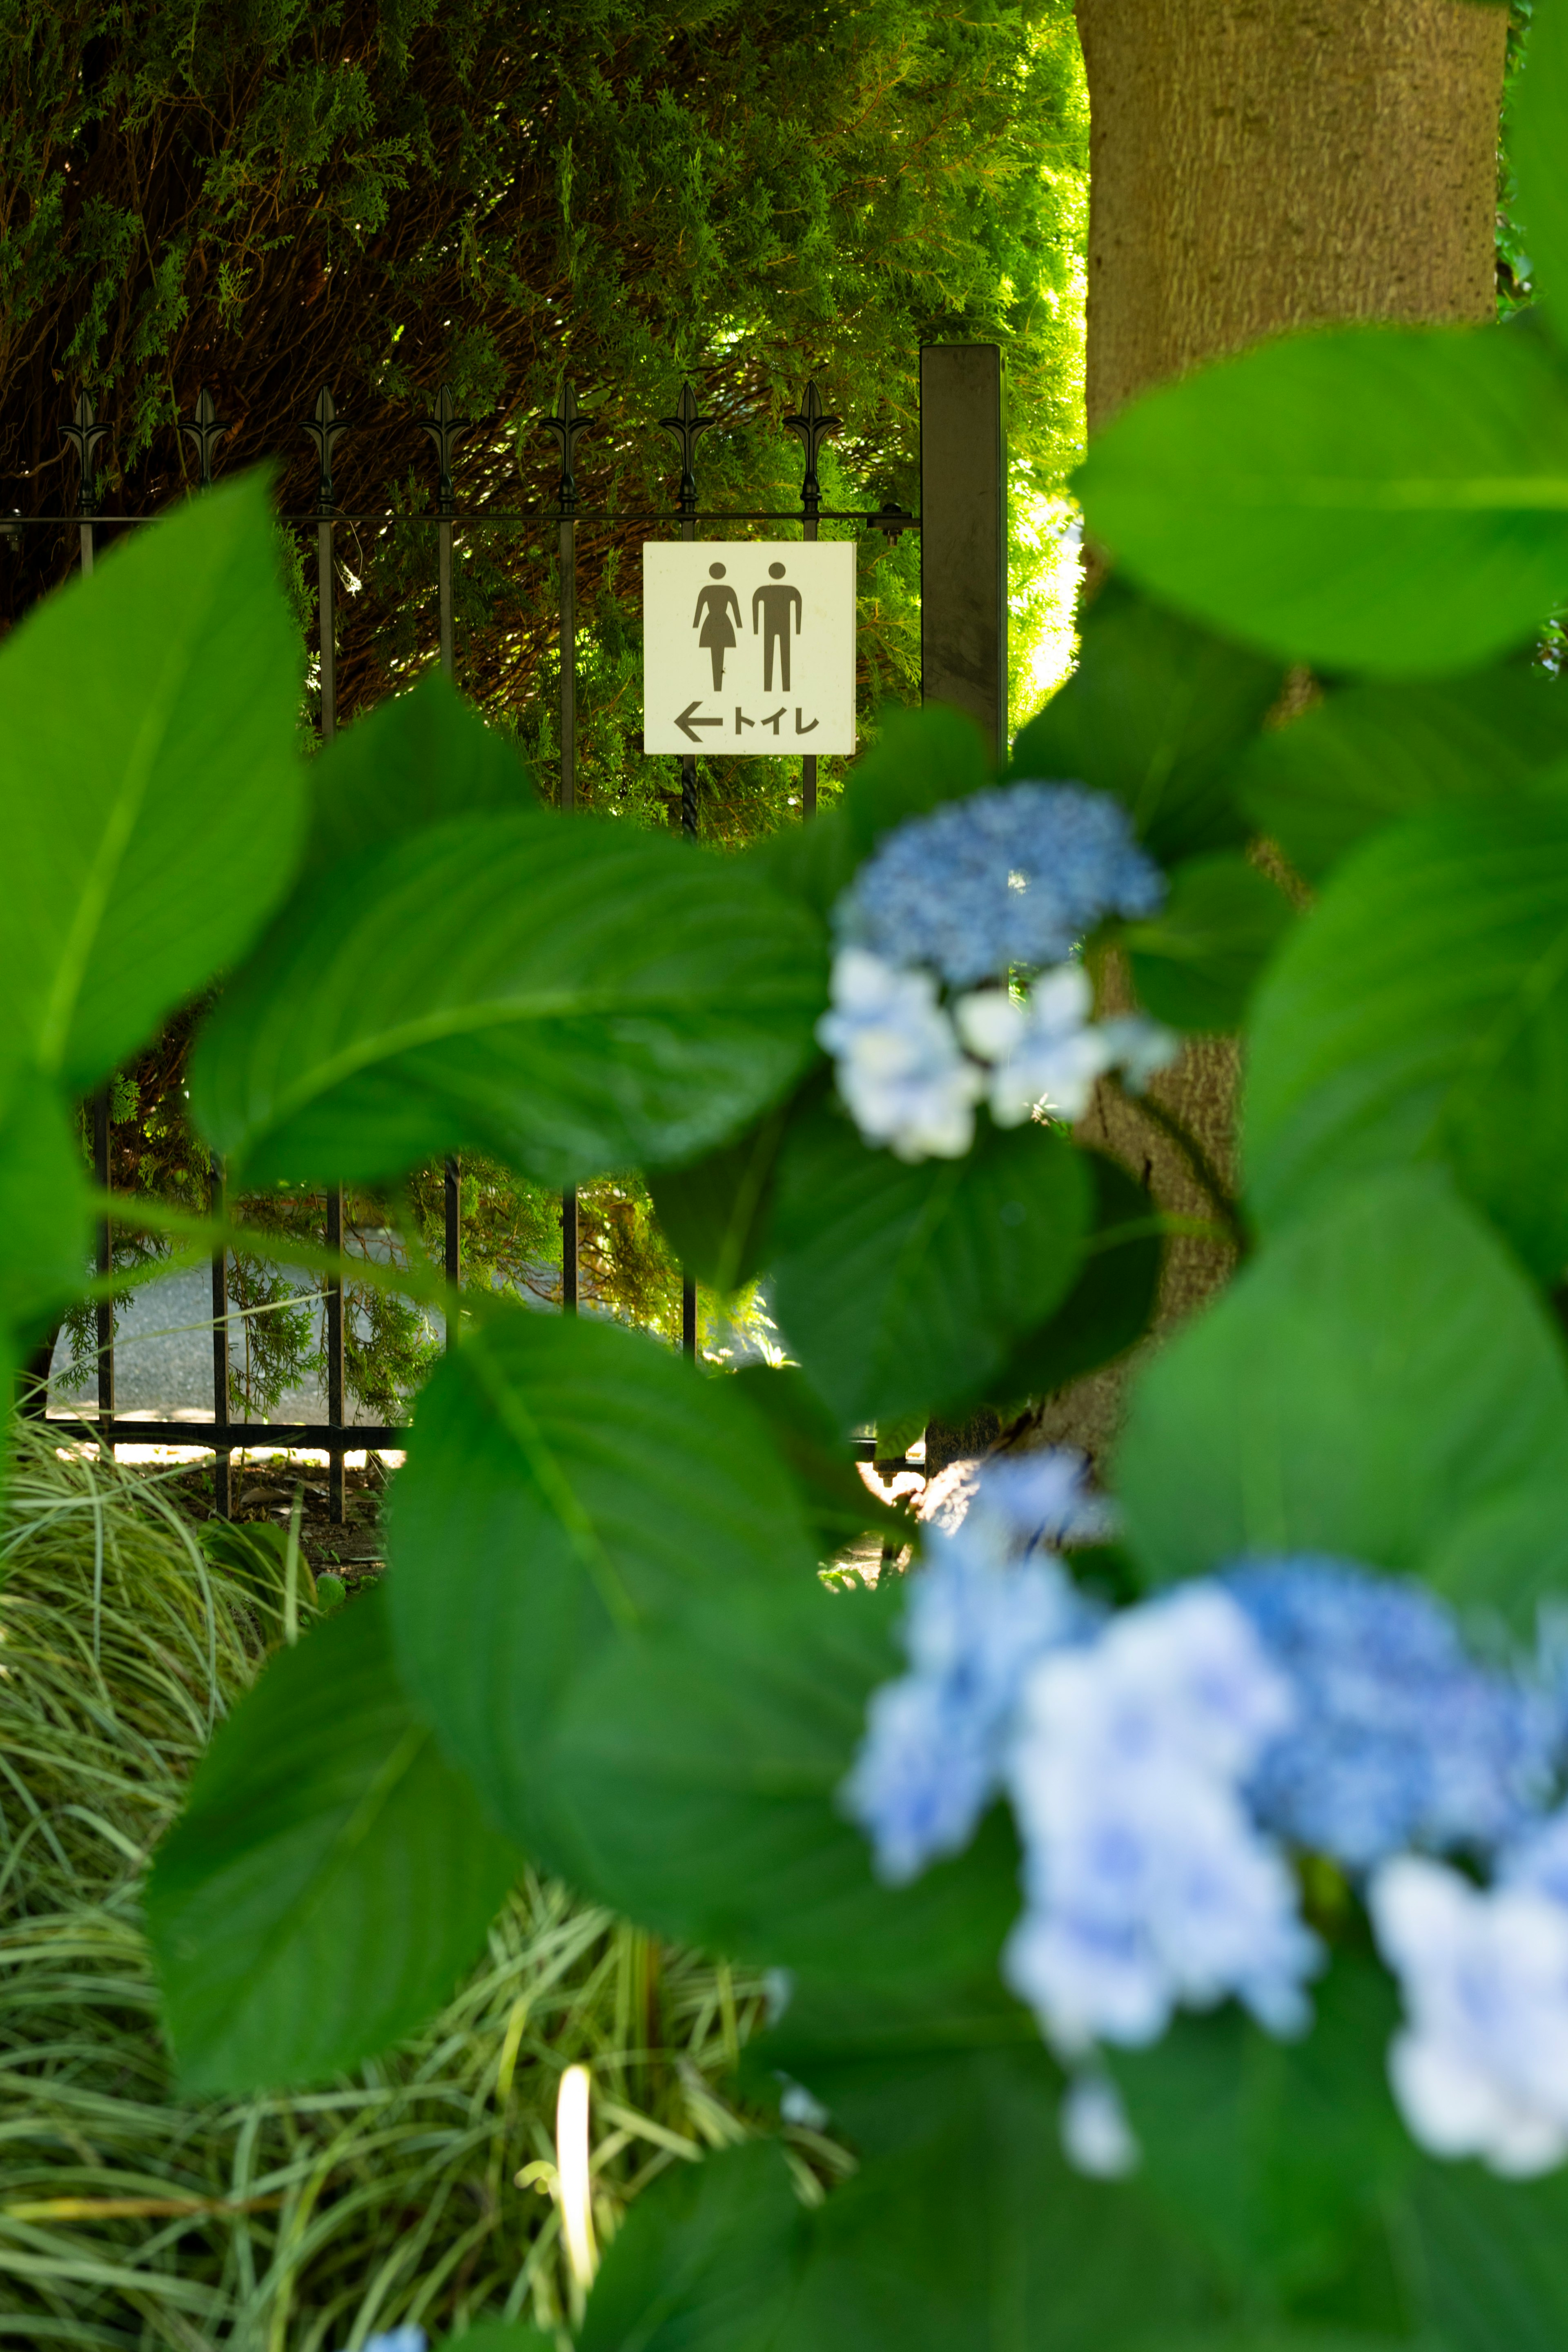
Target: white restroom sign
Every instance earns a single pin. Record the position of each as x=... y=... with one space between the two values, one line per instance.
x=749 y=646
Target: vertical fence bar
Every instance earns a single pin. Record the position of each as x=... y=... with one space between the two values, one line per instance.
x=83 y=435
x=223 y=1490
x=453 y=1257
x=688 y=830
x=568 y=573
x=444 y=591
x=324 y=427
x=566 y=428
x=446 y=431
x=809 y=759
x=448 y=663
x=324 y=597
x=811 y=427
x=105 y=1255
x=686 y=425
x=335 y=1356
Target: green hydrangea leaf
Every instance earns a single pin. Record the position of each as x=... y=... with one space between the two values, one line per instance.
x=905 y=1288
x=1390 y=500
x=1421 y=1012
x=1195 y=963
x=567 y=1481
x=1156 y=712
x=331 y=1877
x=150 y=797
x=1367 y=756
x=1380 y=1384
x=572 y=997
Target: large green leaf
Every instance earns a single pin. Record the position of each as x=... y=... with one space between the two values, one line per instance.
x=1274 y=2156
x=715 y=1212
x=1376 y=498
x=904 y=1289
x=1368 y=755
x=416 y=760
x=975 y=2236
x=566 y=1480
x=921 y=758
x=1111 y=1304
x=1380 y=1383
x=331 y=1877
x=569 y=996
x=704 y=2262
x=150 y=794
x=1156 y=712
x=1537 y=144
x=44 y=1223
x=701 y=1763
x=1488 y=2258
x=1196 y=962
x=1421 y=1012
x=838 y=1504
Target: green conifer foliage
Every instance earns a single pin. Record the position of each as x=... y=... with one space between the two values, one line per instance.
x=262 y=197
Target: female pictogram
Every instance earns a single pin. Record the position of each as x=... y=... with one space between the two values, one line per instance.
x=714 y=606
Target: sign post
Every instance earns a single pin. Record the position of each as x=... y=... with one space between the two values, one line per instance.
x=749 y=646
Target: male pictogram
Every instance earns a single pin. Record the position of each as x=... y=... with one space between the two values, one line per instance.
x=775 y=603
x=714 y=606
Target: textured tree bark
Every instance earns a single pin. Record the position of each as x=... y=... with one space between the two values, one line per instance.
x=1256 y=166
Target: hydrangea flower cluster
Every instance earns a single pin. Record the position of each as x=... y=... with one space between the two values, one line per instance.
x=1006 y=878
x=986 y=1606
x=1166 y=1763
x=1013 y=875
x=1146 y=1883
x=1401 y=1739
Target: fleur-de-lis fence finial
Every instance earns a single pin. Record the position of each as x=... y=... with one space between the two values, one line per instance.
x=205 y=431
x=445 y=430
x=84 y=435
x=812 y=428
x=324 y=428
x=566 y=427
x=686 y=425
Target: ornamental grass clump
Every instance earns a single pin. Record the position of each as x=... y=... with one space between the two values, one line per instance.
x=130 y=2217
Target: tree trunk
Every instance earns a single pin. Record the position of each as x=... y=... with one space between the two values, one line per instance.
x=1256 y=165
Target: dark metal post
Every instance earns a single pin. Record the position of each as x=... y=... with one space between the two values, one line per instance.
x=324 y=428
x=105 y=1316
x=335 y=1355
x=963 y=534
x=812 y=428
x=223 y=1492
x=566 y=428
x=688 y=426
x=83 y=435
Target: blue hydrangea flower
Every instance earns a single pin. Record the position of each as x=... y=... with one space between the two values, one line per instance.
x=1013 y=875
x=1480 y=2065
x=1148 y=1886
x=399 y=2339
x=975 y=1620
x=1401 y=1738
x=900 y=1071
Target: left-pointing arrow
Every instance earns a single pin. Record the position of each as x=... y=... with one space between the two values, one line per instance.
x=688 y=726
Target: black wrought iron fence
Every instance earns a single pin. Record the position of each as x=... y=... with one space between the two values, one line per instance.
x=811 y=425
